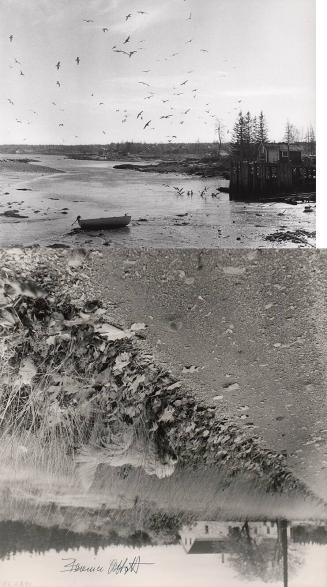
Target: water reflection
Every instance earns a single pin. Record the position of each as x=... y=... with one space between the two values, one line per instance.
x=254 y=552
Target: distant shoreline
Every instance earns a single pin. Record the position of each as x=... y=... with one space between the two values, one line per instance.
x=24 y=165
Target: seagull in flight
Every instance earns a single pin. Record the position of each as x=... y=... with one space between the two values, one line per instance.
x=61 y=124
x=128 y=16
x=105 y=29
x=87 y=20
x=131 y=53
x=127 y=40
x=77 y=60
x=184 y=83
x=189 y=41
x=147 y=124
x=58 y=84
x=145 y=84
x=58 y=65
x=11 y=38
x=10 y=101
x=21 y=73
x=142 y=12
x=16 y=61
x=140 y=114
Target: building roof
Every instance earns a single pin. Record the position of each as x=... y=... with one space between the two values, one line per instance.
x=280 y=147
x=200 y=546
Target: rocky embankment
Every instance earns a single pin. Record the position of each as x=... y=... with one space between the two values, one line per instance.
x=202 y=167
x=70 y=369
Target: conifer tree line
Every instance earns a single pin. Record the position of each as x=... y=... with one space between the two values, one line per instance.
x=248 y=132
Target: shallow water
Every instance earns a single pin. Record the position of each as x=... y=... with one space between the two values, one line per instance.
x=95 y=188
x=56 y=563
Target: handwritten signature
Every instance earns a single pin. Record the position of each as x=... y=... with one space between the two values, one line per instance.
x=112 y=567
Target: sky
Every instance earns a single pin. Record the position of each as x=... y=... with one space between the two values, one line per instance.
x=202 y=61
x=171 y=568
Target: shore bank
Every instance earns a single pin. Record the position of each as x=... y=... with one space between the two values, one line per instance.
x=24 y=166
x=202 y=167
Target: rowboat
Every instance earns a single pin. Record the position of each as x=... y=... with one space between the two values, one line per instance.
x=106 y=223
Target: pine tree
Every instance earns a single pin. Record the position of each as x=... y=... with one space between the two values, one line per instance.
x=261 y=130
x=238 y=137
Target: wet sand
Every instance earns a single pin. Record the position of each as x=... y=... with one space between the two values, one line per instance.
x=160 y=217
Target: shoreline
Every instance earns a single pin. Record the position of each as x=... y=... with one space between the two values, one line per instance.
x=24 y=166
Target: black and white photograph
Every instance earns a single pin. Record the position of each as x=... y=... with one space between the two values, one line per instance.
x=163 y=408
x=183 y=124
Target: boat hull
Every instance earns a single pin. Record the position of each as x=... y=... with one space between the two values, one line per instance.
x=105 y=223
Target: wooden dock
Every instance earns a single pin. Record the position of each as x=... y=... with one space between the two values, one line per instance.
x=256 y=180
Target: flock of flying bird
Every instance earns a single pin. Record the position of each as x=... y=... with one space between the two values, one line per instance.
x=177 y=90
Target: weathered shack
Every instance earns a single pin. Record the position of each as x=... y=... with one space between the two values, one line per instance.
x=277 y=170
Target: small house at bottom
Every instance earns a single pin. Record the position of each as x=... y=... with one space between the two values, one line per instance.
x=278 y=153
x=209 y=537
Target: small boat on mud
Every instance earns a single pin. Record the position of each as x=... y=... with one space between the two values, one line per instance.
x=105 y=223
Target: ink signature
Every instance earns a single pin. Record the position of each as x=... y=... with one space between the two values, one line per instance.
x=112 y=567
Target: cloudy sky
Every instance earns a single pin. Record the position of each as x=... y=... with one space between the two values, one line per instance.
x=202 y=60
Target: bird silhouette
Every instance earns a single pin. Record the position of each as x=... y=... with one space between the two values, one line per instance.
x=10 y=101
x=127 y=40
x=145 y=84
x=16 y=61
x=131 y=53
x=142 y=12
x=184 y=83
x=77 y=60
x=87 y=20
x=166 y=116
x=140 y=114
x=147 y=124
x=189 y=41
x=58 y=65
x=120 y=51
x=21 y=73
x=127 y=17
x=61 y=124
x=105 y=29
x=187 y=111
x=58 y=84
x=11 y=38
